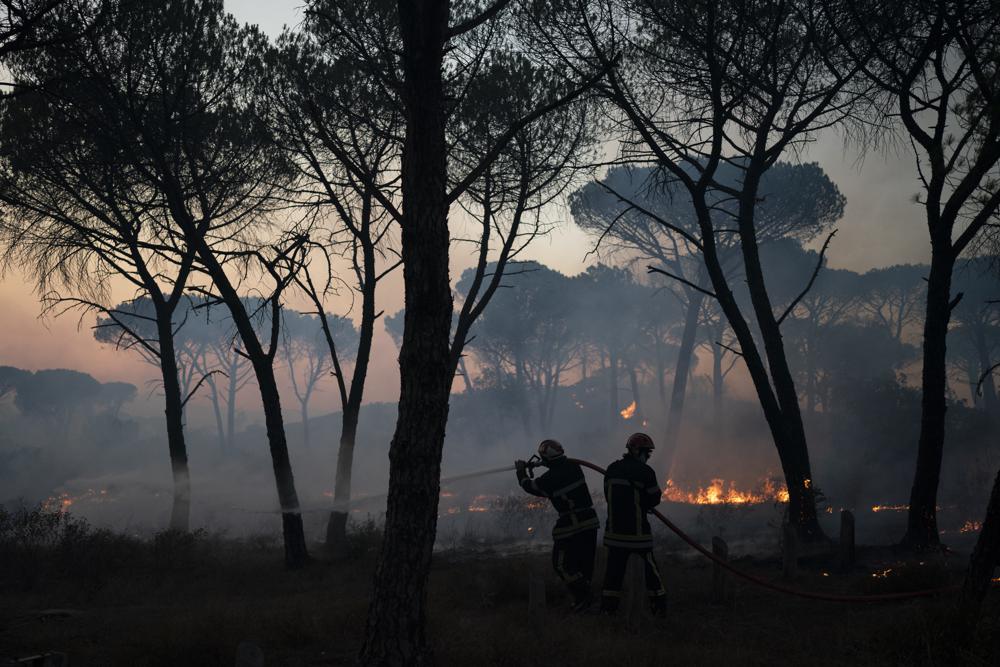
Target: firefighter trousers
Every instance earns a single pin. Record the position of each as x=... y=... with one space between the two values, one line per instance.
x=614 y=575
x=573 y=561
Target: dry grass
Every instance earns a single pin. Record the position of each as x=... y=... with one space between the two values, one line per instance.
x=191 y=599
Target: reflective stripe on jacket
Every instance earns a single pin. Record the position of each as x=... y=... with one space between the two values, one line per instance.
x=631 y=491
x=563 y=484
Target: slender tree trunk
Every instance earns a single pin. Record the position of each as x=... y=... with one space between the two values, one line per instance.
x=296 y=554
x=395 y=633
x=180 y=512
x=718 y=381
x=989 y=389
x=810 y=376
x=552 y=399
x=985 y=558
x=921 y=529
x=336 y=526
x=231 y=403
x=304 y=411
x=794 y=450
x=788 y=441
x=633 y=379
x=685 y=353
x=661 y=372
x=469 y=387
x=217 y=411
x=613 y=387
x=522 y=396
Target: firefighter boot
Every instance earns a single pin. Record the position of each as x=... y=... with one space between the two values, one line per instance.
x=582 y=596
x=609 y=604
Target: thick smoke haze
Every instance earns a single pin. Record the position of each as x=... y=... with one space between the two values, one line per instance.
x=881 y=226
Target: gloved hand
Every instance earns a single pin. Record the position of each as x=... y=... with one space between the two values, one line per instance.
x=521 y=467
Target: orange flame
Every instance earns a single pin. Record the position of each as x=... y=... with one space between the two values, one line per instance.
x=719 y=492
x=63 y=501
x=890 y=508
x=971 y=527
x=628 y=412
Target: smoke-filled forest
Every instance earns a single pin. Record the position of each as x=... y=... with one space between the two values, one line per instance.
x=388 y=332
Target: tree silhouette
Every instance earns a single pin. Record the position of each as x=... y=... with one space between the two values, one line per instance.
x=631 y=217
x=932 y=63
x=707 y=84
x=307 y=354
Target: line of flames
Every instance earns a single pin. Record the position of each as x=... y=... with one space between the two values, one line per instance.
x=720 y=492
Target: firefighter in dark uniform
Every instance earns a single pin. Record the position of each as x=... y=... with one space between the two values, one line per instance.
x=631 y=491
x=574 y=537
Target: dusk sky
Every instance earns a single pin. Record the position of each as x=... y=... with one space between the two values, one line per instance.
x=881 y=226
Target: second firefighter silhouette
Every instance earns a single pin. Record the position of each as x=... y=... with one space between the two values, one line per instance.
x=574 y=537
x=631 y=491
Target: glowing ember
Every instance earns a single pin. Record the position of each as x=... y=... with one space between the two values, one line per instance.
x=890 y=508
x=719 y=492
x=63 y=501
x=882 y=574
x=628 y=412
x=480 y=503
x=971 y=527
x=447 y=494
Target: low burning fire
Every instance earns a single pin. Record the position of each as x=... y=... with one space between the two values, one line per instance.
x=720 y=492
x=971 y=527
x=890 y=508
x=629 y=411
x=61 y=502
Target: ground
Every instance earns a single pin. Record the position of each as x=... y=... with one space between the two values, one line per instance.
x=191 y=600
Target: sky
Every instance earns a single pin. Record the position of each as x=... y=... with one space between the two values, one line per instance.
x=881 y=226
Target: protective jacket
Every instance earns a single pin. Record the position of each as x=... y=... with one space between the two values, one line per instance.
x=631 y=490
x=563 y=483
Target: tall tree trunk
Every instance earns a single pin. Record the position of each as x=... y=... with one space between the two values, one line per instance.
x=217 y=411
x=395 y=633
x=685 y=353
x=180 y=512
x=522 y=395
x=985 y=558
x=921 y=528
x=469 y=386
x=633 y=379
x=718 y=381
x=788 y=441
x=661 y=372
x=336 y=526
x=304 y=411
x=613 y=388
x=793 y=450
x=989 y=389
x=231 y=403
x=810 y=376
x=296 y=554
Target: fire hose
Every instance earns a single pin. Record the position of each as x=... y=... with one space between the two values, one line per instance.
x=721 y=562
x=787 y=590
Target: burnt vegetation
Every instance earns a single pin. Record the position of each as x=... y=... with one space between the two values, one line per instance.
x=262 y=220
